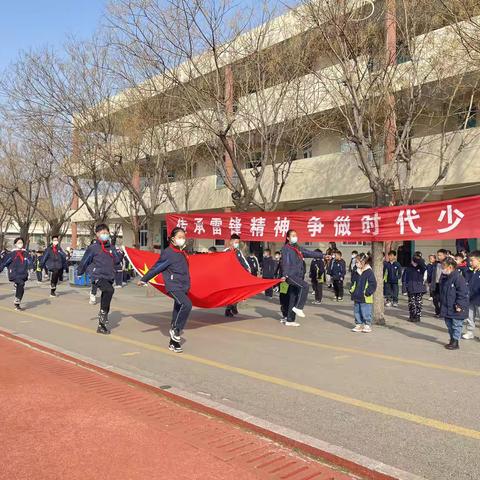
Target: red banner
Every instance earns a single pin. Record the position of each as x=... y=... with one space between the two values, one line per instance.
x=458 y=218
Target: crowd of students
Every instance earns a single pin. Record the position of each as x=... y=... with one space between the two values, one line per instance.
x=452 y=281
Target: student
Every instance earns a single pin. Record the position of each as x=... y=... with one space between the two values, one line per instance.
x=19 y=261
x=454 y=301
x=436 y=279
x=431 y=266
x=37 y=265
x=362 y=290
x=353 y=265
x=473 y=279
x=415 y=285
x=55 y=261
x=392 y=273
x=269 y=269
x=100 y=259
x=234 y=246
x=212 y=249
x=174 y=263
x=338 y=270
x=461 y=264
x=277 y=257
x=317 y=277
x=119 y=265
x=254 y=264
x=293 y=270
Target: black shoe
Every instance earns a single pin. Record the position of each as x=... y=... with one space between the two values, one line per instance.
x=103 y=323
x=52 y=293
x=416 y=319
x=411 y=319
x=235 y=310
x=228 y=313
x=449 y=343
x=453 y=346
x=175 y=347
x=18 y=307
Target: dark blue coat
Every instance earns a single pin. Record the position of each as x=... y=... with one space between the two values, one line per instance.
x=19 y=262
x=292 y=260
x=363 y=286
x=269 y=267
x=173 y=263
x=453 y=294
x=414 y=278
x=52 y=260
x=338 y=269
x=392 y=272
x=317 y=269
x=430 y=269
x=474 y=286
x=99 y=259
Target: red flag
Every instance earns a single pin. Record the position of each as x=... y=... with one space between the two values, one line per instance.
x=217 y=279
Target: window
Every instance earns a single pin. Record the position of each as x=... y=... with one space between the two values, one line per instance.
x=254 y=161
x=467 y=117
x=219 y=243
x=347 y=146
x=403 y=53
x=219 y=179
x=143 y=236
x=306 y=150
x=171 y=176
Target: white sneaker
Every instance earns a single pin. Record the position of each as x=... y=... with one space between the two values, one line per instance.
x=388 y=304
x=358 y=328
x=283 y=320
x=468 y=336
x=291 y=324
x=93 y=300
x=298 y=312
x=367 y=329
x=316 y=302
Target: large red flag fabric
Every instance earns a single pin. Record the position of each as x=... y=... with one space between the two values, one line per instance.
x=218 y=279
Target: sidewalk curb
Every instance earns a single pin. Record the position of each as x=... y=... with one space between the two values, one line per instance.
x=331 y=454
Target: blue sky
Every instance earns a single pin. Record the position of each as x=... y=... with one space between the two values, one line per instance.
x=34 y=23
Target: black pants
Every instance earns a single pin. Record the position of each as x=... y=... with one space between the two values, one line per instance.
x=415 y=304
x=118 y=277
x=292 y=299
x=299 y=289
x=106 y=287
x=436 y=298
x=338 y=288
x=19 y=291
x=232 y=308
x=391 y=292
x=318 y=289
x=181 y=310
x=54 y=279
x=39 y=275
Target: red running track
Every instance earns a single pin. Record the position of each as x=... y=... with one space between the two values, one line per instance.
x=59 y=420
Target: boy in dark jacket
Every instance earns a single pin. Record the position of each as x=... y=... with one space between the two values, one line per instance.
x=338 y=270
x=414 y=278
x=431 y=266
x=19 y=261
x=101 y=257
x=55 y=261
x=462 y=266
x=453 y=301
x=254 y=264
x=363 y=287
x=473 y=280
x=317 y=277
x=392 y=273
x=269 y=268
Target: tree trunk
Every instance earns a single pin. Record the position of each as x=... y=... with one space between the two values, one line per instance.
x=150 y=232
x=24 y=228
x=378 y=299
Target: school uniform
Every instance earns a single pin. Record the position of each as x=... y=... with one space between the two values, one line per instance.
x=119 y=267
x=254 y=265
x=363 y=287
x=269 y=268
x=99 y=259
x=415 y=286
x=430 y=271
x=454 y=301
x=232 y=309
x=338 y=270
x=19 y=262
x=173 y=263
x=55 y=261
x=317 y=277
x=473 y=280
x=392 y=273
x=293 y=268
x=436 y=280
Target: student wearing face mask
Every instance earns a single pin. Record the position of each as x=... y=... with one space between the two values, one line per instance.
x=454 y=297
x=173 y=263
x=232 y=310
x=293 y=269
x=100 y=259
x=19 y=261
x=55 y=261
x=269 y=268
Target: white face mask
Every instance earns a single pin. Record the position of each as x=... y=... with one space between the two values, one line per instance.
x=236 y=245
x=180 y=242
x=19 y=245
x=293 y=240
x=55 y=242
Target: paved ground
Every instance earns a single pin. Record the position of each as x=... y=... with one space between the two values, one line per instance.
x=396 y=395
x=63 y=421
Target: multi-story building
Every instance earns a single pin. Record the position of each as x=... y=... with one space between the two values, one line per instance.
x=325 y=173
